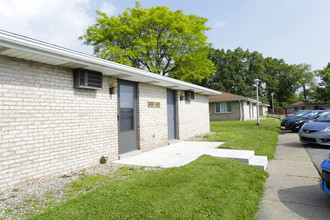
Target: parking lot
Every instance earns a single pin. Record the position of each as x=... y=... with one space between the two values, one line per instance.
x=292 y=189
x=316 y=152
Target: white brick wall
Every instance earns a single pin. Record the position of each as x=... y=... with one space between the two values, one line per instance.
x=46 y=126
x=193 y=116
x=152 y=121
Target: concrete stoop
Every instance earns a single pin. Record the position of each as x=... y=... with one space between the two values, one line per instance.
x=259 y=161
x=181 y=153
x=245 y=156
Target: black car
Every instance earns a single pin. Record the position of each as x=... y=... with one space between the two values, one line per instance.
x=294 y=115
x=296 y=123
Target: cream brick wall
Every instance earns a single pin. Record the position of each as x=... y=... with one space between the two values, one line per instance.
x=152 y=121
x=263 y=110
x=246 y=111
x=193 y=116
x=46 y=126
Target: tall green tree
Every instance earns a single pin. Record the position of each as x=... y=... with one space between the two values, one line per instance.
x=235 y=71
x=322 y=91
x=306 y=80
x=156 y=39
x=280 y=79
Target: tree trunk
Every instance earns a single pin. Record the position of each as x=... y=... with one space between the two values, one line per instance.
x=305 y=96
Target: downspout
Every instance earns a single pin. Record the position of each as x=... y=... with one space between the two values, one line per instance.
x=240 y=110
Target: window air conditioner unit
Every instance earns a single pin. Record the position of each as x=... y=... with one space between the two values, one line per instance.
x=189 y=95
x=87 y=79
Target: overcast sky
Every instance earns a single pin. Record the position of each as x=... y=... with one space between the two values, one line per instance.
x=295 y=30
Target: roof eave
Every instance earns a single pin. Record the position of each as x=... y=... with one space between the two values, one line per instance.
x=223 y=100
x=28 y=45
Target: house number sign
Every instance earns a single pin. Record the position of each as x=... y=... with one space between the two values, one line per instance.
x=153 y=104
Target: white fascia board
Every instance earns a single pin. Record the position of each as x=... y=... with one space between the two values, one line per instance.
x=255 y=101
x=14 y=41
x=229 y=100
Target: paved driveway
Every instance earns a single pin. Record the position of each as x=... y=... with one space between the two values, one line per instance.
x=317 y=153
x=292 y=189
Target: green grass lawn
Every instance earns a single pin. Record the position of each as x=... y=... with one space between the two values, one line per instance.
x=246 y=135
x=207 y=188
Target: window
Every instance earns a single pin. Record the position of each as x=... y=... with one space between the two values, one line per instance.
x=222 y=107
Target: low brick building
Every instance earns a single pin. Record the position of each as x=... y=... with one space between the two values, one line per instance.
x=306 y=106
x=62 y=110
x=231 y=107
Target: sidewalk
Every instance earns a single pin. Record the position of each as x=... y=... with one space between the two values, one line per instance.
x=183 y=152
x=292 y=189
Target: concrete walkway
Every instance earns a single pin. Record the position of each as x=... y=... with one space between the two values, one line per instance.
x=292 y=189
x=184 y=152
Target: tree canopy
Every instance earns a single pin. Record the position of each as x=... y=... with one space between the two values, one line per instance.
x=236 y=71
x=173 y=44
x=322 y=91
x=155 y=39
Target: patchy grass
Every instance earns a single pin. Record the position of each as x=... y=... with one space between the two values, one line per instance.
x=34 y=204
x=246 y=135
x=87 y=183
x=207 y=188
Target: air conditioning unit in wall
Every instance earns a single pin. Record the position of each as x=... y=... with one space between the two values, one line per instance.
x=189 y=95
x=87 y=79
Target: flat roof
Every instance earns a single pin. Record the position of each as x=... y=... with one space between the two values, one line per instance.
x=25 y=48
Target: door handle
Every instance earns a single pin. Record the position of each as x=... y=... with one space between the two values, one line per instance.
x=117 y=117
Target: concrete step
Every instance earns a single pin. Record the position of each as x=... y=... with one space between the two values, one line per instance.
x=259 y=161
x=245 y=156
x=240 y=155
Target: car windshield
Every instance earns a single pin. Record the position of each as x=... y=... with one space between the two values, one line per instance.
x=298 y=113
x=324 y=118
x=310 y=115
x=294 y=113
x=305 y=113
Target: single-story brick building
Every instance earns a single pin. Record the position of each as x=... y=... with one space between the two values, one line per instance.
x=62 y=110
x=231 y=107
x=306 y=106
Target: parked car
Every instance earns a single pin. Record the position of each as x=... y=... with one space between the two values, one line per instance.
x=317 y=131
x=294 y=115
x=325 y=175
x=296 y=123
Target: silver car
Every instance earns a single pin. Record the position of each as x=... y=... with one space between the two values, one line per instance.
x=317 y=131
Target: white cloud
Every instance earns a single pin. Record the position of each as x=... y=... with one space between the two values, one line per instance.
x=59 y=22
x=219 y=24
x=108 y=8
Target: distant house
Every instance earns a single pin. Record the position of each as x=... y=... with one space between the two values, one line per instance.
x=306 y=106
x=230 y=107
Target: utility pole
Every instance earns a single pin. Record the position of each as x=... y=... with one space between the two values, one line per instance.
x=272 y=102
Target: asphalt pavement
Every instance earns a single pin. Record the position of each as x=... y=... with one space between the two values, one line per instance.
x=292 y=190
x=318 y=154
